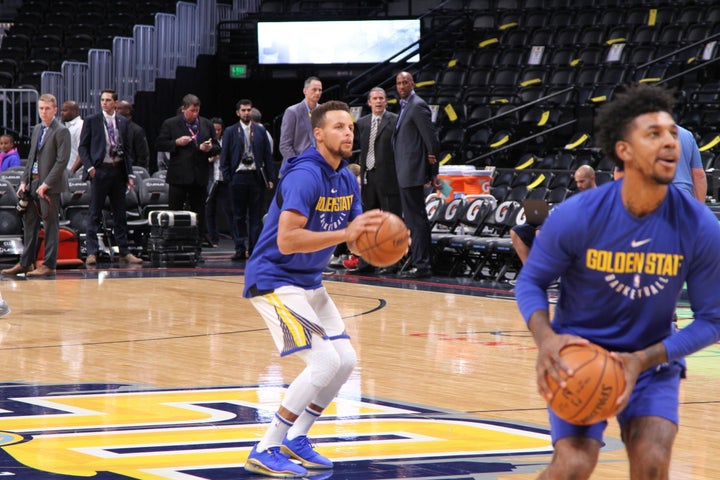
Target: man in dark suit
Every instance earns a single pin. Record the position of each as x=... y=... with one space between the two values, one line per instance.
x=246 y=162
x=415 y=142
x=108 y=166
x=296 y=133
x=189 y=140
x=44 y=178
x=377 y=165
x=137 y=144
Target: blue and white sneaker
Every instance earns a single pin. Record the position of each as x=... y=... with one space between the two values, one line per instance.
x=273 y=463
x=300 y=449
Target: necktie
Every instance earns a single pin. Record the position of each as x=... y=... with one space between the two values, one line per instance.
x=41 y=136
x=370 y=161
x=111 y=132
x=34 y=170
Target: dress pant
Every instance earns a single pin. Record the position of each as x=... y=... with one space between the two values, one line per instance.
x=246 y=192
x=109 y=181
x=40 y=210
x=195 y=195
x=218 y=198
x=413 y=206
x=374 y=196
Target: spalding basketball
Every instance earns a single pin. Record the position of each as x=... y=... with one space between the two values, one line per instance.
x=591 y=392
x=386 y=245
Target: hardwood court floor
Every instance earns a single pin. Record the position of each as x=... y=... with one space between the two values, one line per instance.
x=115 y=371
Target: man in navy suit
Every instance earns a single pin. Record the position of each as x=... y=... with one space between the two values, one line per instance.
x=108 y=166
x=296 y=133
x=44 y=178
x=415 y=142
x=246 y=163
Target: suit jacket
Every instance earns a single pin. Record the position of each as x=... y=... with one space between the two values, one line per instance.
x=52 y=158
x=414 y=138
x=234 y=145
x=296 y=133
x=137 y=145
x=93 y=144
x=187 y=164
x=384 y=157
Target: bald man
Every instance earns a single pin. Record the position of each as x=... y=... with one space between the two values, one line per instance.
x=522 y=236
x=136 y=139
x=70 y=116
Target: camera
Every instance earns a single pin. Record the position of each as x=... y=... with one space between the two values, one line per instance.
x=23 y=201
x=248 y=158
x=117 y=151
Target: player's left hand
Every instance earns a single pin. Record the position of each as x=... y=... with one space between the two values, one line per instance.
x=549 y=362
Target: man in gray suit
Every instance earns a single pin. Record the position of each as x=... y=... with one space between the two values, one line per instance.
x=43 y=179
x=377 y=164
x=296 y=133
x=415 y=142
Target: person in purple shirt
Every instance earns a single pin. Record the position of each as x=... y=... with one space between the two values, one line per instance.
x=316 y=206
x=624 y=251
x=9 y=154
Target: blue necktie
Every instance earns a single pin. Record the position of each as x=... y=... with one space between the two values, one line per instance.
x=41 y=136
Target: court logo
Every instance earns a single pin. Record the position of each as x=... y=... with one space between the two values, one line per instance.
x=120 y=432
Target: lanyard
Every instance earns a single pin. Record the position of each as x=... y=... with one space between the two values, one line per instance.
x=193 y=129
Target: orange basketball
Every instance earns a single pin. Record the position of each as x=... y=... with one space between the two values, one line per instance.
x=593 y=389
x=386 y=245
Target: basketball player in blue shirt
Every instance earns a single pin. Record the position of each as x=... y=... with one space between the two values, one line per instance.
x=624 y=251
x=316 y=206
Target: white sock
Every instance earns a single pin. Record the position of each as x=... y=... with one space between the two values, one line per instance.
x=275 y=434
x=303 y=423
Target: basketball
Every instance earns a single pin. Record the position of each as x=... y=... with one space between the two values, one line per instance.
x=593 y=389
x=386 y=245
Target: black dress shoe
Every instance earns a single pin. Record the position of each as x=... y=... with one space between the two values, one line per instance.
x=391 y=270
x=239 y=257
x=416 y=273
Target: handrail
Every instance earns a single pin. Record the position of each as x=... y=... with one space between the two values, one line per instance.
x=519 y=107
x=689 y=70
x=358 y=85
x=520 y=142
x=675 y=52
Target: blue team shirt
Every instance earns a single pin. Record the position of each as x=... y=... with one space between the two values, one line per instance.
x=689 y=158
x=328 y=198
x=622 y=275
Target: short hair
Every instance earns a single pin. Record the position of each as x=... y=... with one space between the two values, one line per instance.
x=217 y=120
x=190 y=100
x=377 y=89
x=241 y=102
x=309 y=80
x=586 y=171
x=255 y=115
x=113 y=93
x=317 y=117
x=614 y=117
x=48 y=97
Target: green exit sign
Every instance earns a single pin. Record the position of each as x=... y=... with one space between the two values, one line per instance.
x=238 y=71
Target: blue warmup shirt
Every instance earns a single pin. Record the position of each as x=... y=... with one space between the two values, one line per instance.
x=689 y=158
x=328 y=198
x=622 y=275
